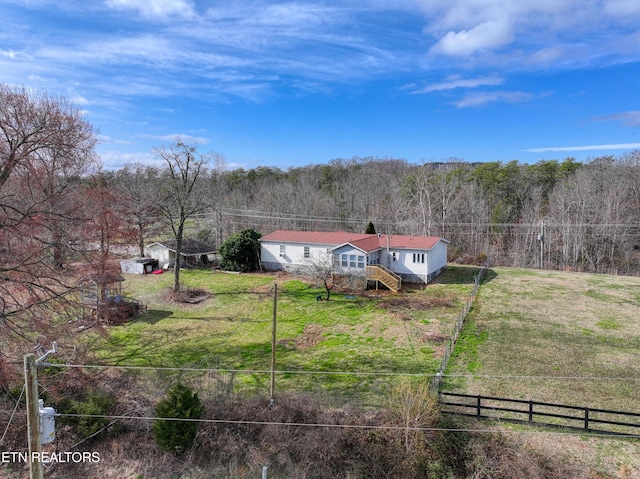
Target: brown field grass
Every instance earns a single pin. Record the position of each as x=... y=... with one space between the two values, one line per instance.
x=567 y=338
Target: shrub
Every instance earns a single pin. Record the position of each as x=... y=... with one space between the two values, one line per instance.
x=183 y=403
x=241 y=251
x=95 y=403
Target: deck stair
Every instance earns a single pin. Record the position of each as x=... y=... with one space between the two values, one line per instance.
x=385 y=276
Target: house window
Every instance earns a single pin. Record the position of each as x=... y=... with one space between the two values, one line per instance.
x=418 y=257
x=282 y=250
x=345 y=260
x=352 y=261
x=307 y=254
x=360 y=261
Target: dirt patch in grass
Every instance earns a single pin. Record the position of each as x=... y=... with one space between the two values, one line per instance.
x=312 y=335
x=434 y=337
x=188 y=295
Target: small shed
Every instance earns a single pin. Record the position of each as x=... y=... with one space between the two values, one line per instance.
x=192 y=253
x=139 y=265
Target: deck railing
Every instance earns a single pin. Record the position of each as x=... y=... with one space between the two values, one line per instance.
x=385 y=276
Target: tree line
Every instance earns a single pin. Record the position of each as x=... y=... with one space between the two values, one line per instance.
x=555 y=214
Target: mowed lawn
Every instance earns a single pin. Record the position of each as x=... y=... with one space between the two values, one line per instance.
x=353 y=347
x=576 y=338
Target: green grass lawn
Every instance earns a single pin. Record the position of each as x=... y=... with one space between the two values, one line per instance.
x=566 y=329
x=377 y=335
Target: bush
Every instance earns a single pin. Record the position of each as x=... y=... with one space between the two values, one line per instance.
x=183 y=403
x=241 y=251
x=95 y=403
x=373 y=444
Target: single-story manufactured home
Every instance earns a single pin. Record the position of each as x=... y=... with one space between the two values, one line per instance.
x=389 y=259
x=192 y=253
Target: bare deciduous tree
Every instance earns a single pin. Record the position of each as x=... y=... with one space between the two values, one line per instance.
x=178 y=198
x=322 y=269
x=137 y=182
x=46 y=147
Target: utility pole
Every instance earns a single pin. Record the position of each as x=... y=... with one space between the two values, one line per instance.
x=541 y=239
x=34 y=426
x=33 y=417
x=273 y=344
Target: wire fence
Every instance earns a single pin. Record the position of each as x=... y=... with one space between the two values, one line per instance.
x=436 y=383
x=337 y=389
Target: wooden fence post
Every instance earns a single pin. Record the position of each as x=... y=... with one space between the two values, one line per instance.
x=530 y=411
x=33 y=417
x=478 y=407
x=586 y=419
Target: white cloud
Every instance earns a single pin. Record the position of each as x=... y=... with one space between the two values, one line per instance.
x=113 y=160
x=466 y=14
x=615 y=146
x=171 y=138
x=546 y=56
x=457 y=82
x=483 y=98
x=293 y=14
x=78 y=99
x=628 y=118
x=486 y=36
x=155 y=8
x=539 y=33
x=107 y=139
x=622 y=8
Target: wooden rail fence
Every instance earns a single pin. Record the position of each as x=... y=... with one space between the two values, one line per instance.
x=541 y=413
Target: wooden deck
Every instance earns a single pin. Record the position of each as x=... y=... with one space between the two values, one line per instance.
x=385 y=276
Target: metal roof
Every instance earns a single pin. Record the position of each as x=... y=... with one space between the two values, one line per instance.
x=190 y=247
x=365 y=242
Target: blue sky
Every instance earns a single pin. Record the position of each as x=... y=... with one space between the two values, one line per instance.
x=291 y=83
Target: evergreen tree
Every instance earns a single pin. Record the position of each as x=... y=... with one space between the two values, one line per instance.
x=241 y=251
x=371 y=230
x=183 y=403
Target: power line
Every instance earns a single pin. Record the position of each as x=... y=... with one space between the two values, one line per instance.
x=294 y=217
x=249 y=213
x=346 y=373
x=144 y=367
x=334 y=426
x=24 y=386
